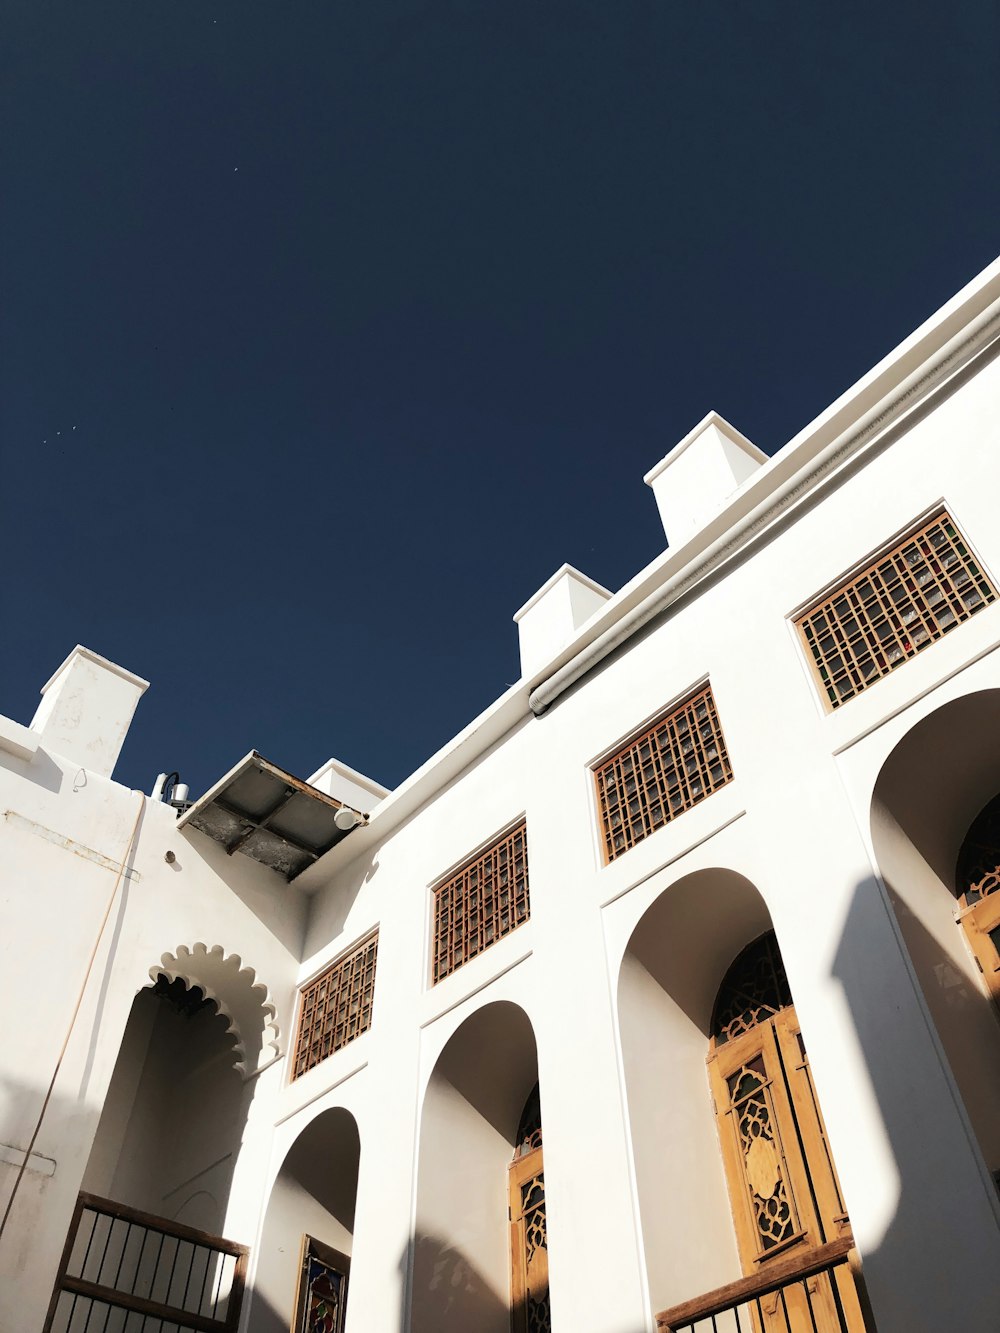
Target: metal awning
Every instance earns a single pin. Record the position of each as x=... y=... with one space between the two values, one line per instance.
x=263 y=812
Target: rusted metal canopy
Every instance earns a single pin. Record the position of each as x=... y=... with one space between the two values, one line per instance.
x=263 y=812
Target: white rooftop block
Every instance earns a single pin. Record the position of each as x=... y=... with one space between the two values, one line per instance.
x=548 y=620
x=86 y=710
x=348 y=786
x=695 y=479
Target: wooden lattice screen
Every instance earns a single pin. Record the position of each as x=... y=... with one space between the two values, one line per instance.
x=680 y=760
x=337 y=1006
x=483 y=901
x=899 y=605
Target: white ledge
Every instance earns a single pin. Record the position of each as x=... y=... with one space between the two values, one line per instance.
x=106 y=663
x=18 y=740
x=549 y=584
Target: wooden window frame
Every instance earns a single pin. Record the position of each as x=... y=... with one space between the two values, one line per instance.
x=302 y=1062
x=335 y=1259
x=668 y=800
x=478 y=925
x=888 y=618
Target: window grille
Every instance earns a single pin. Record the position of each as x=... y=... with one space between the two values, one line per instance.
x=679 y=761
x=483 y=901
x=337 y=1006
x=899 y=605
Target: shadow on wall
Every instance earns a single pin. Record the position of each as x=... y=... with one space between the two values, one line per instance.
x=41 y=770
x=330 y=906
x=929 y=791
x=942 y=1221
x=125 y=1169
x=451 y=1285
x=32 y=1242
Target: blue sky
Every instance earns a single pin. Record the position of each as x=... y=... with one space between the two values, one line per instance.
x=331 y=329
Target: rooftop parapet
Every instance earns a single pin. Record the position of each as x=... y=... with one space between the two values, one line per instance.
x=696 y=478
x=550 y=619
x=86 y=710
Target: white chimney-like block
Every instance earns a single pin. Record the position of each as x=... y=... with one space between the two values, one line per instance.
x=547 y=621
x=86 y=709
x=696 y=478
x=348 y=786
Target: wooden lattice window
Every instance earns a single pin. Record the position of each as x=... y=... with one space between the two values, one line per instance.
x=899 y=605
x=481 y=902
x=679 y=761
x=337 y=1006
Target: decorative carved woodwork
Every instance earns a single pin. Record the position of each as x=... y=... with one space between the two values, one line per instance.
x=893 y=609
x=529 y=1256
x=337 y=1006
x=753 y=990
x=529 y=1245
x=783 y=1185
x=481 y=902
x=529 y=1131
x=676 y=763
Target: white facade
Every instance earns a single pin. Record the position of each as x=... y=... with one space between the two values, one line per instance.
x=837 y=831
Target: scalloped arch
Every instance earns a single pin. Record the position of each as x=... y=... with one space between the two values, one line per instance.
x=241 y=999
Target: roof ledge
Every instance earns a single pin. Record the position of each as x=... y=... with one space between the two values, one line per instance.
x=698 y=476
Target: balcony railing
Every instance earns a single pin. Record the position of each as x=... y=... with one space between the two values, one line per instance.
x=122 y=1269
x=809 y=1293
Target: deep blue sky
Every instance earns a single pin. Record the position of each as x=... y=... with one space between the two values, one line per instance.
x=331 y=328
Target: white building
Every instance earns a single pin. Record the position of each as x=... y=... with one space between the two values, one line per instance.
x=787 y=723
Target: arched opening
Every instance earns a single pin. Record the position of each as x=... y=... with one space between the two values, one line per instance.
x=145 y=1237
x=716 y=1197
x=932 y=825
x=477 y=1107
x=304 y=1261
x=667 y=985
x=173 y=1117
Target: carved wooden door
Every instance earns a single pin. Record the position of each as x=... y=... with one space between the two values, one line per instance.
x=783 y=1185
x=529 y=1256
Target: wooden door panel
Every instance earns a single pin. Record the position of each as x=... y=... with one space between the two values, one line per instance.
x=529 y=1245
x=768 y=1182
x=981 y=923
x=783 y=1184
x=832 y=1214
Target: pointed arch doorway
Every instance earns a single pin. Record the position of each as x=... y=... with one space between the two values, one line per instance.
x=783 y=1186
x=529 y=1258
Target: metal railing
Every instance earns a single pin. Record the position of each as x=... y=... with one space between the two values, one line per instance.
x=809 y=1293
x=123 y=1271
